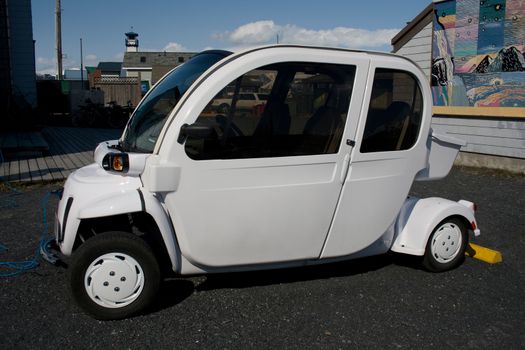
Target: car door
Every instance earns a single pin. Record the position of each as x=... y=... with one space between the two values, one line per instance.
x=264 y=189
x=390 y=150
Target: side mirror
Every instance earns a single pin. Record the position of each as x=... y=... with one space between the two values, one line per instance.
x=197 y=131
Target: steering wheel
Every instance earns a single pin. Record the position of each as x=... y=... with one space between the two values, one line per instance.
x=228 y=126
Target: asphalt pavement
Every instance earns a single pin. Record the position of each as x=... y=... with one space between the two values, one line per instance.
x=378 y=302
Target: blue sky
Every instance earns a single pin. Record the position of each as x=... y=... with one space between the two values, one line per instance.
x=197 y=25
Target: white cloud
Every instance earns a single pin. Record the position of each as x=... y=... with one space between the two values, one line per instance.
x=45 y=61
x=50 y=71
x=91 y=57
x=264 y=32
x=174 y=47
x=252 y=33
x=46 y=65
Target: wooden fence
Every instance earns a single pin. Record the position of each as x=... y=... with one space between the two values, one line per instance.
x=120 y=90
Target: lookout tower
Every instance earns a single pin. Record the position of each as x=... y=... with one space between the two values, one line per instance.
x=132 y=43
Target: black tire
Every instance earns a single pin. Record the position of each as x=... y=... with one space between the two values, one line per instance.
x=435 y=261
x=112 y=247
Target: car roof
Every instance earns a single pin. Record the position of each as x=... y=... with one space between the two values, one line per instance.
x=369 y=53
x=326 y=48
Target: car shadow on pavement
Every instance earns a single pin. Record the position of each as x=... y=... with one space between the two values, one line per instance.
x=175 y=290
x=172 y=292
x=305 y=273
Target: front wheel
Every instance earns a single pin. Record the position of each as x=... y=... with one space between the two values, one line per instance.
x=446 y=246
x=114 y=275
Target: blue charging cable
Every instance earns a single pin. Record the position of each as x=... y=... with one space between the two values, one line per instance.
x=14 y=268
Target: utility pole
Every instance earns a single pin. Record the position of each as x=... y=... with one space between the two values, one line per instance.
x=81 y=67
x=58 y=37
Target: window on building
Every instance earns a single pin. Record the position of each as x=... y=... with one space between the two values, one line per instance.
x=285 y=109
x=394 y=113
x=142 y=59
x=181 y=59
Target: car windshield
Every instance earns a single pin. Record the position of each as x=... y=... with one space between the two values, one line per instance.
x=149 y=117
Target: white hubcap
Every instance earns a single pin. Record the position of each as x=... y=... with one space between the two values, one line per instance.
x=114 y=280
x=446 y=242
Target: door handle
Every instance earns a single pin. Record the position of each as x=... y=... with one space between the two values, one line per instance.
x=344 y=167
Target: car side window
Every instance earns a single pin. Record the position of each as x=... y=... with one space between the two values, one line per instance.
x=300 y=110
x=394 y=113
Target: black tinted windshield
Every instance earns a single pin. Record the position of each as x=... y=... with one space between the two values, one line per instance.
x=149 y=117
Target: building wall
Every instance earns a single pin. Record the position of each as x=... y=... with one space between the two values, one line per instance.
x=419 y=48
x=478 y=54
x=495 y=133
x=5 y=76
x=22 y=50
x=145 y=75
x=494 y=136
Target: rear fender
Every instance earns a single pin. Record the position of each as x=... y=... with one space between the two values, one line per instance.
x=419 y=217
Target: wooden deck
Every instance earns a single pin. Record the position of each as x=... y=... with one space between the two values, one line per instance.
x=63 y=151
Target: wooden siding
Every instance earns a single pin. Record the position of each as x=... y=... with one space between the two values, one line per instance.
x=419 y=48
x=495 y=136
x=491 y=131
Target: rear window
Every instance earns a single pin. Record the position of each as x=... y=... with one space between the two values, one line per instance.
x=394 y=113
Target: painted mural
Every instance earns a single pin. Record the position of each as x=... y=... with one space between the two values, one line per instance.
x=479 y=53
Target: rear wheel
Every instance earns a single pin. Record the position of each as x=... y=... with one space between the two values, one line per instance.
x=446 y=246
x=114 y=275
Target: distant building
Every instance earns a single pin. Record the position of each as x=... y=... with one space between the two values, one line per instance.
x=110 y=69
x=17 y=56
x=474 y=55
x=132 y=43
x=75 y=74
x=75 y=80
x=149 y=66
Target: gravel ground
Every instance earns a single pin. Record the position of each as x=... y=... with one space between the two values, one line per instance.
x=377 y=302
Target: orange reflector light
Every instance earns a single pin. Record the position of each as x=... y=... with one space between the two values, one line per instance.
x=473 y=224
x=118 y=163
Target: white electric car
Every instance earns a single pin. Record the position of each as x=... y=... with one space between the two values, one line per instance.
x=321 y=174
